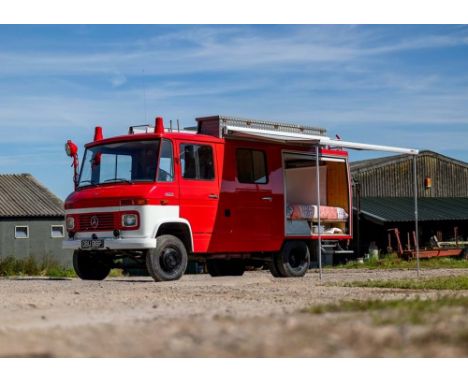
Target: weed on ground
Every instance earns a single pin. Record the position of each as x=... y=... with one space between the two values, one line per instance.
x=400 y=311
x=10 y=266
x=439 y=283
x=392 y=261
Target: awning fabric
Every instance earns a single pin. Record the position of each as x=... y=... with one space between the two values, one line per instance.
x=289 y=137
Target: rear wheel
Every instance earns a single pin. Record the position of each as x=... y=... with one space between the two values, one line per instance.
x=217 y=267
x=168 y=261
x=91 y=265
x=293 y=260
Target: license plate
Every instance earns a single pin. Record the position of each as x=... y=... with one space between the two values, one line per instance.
x=92 y=244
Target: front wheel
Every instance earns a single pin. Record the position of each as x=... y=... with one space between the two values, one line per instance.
x=168 y=261
x=91 y=265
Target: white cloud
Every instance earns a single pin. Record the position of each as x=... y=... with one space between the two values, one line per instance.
x=200 y=49
x=118 y=79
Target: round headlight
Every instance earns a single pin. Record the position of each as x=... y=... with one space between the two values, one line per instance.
x=129 y=220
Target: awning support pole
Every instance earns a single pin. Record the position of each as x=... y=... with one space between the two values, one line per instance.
x=416 y=217
x=319 y=234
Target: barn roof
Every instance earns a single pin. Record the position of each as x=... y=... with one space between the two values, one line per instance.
x=387 y=210
x=368 y=164
x=21 y=195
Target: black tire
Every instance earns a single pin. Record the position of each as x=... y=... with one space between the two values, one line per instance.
x=293 y=260
x=168 y=261
x=274 y=268
x=218 y=268
x=91 y=265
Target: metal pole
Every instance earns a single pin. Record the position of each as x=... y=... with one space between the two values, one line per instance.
x=415 y=191
x=319 y=238
x=358 y=225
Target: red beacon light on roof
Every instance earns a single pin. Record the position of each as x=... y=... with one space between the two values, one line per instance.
x=159 y=126
x=98 y=134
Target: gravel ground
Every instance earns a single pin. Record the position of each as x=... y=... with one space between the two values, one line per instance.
x=254 y=315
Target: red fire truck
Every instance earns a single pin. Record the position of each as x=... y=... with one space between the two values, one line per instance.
x=231 y=193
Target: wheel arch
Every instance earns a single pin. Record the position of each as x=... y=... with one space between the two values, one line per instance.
x=178 y=228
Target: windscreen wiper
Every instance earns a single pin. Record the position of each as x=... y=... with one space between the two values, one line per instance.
x=115 y=180
x=87 y=181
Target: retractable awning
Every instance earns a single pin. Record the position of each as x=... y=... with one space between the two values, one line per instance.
x=291 y=137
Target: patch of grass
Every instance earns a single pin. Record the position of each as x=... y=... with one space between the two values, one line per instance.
x=439 y=283
x=400 y=311
x=11 y=266
x=59 y=272
x=115 y=272
x=394 y=262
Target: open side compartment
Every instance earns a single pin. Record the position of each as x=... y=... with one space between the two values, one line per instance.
x=301 y=201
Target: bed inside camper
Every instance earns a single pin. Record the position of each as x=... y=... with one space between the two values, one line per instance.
x=301 y=201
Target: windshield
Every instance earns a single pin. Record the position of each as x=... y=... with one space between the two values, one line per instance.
x=120 y=162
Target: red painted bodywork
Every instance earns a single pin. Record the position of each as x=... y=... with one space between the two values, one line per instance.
x=225 y=216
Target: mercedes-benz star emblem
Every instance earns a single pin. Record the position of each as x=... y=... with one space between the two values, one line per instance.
x=94 y=221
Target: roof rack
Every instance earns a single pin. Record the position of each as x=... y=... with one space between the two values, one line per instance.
x=139 y=129
x=217 y=126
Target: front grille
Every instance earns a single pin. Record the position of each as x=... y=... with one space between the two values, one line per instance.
x=97 y=222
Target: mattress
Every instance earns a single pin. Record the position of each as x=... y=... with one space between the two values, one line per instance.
x=310 y=212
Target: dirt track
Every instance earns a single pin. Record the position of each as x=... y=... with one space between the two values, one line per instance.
x=253 y=315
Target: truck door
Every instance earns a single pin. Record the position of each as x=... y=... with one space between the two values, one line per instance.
x=199 y=190
x=254 y=200
x=168 y=189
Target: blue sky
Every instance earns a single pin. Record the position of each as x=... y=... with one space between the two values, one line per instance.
x=394 y=85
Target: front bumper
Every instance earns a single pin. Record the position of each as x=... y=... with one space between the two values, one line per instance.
x=118 y=244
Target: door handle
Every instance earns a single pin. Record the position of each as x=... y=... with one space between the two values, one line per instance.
x=267 y=198
x=213 y=196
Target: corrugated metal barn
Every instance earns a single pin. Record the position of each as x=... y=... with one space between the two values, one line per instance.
x=31 y=220
x=383 y=198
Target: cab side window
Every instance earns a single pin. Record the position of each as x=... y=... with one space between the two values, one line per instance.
x=197 y=161
x=166 y=162
x=251 y=166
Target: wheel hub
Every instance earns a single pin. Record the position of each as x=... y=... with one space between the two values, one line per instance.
x=170 y=259
x=295 y=259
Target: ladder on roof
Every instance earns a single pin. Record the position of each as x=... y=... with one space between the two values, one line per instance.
x=272 y=126
x=218 y=126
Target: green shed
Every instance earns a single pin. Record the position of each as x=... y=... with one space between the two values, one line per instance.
x=383 y=199
x=31 y=220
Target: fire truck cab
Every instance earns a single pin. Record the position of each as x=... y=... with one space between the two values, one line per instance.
x=233 y=193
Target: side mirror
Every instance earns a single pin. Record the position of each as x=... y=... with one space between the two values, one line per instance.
x=71 y=149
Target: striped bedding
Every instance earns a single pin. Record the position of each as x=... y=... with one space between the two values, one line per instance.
x=309 y=212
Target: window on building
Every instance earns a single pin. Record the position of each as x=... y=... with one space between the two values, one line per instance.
x=251 y=166
x=21 y=232
x=56 y=231
x=197 y=162
x=166 y=163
